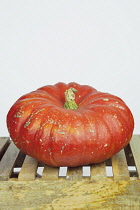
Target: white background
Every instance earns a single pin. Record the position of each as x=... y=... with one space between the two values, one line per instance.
x=87 y=41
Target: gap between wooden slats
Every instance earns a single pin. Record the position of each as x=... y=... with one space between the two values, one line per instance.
x=74 y=173
x=98 y=171
x=28 y=170
x=120 y=167
x=8 y=161
x=135 y=147
x=50 y=173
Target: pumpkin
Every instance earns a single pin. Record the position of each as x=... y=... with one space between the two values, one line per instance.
x=70 y=124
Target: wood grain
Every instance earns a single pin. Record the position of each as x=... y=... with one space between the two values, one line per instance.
x=28 y=170
x=120 y=167
x=69 y=195
x=98 y=171
x=74 y=173
x=50 y=173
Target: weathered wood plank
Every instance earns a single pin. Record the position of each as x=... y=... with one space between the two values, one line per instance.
x=8 y=161
x=135 y=147
x=74 y=173
x=85 y=195
x=98 y=171
x=4 y=141
x=120 y=167
x=28 y=170
x=50 y=173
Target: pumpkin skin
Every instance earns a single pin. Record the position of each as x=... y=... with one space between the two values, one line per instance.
x=42 y=128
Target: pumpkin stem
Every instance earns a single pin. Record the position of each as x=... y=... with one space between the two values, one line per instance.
x=70 y=99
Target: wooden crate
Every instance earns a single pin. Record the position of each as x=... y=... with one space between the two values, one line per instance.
x=26 y=183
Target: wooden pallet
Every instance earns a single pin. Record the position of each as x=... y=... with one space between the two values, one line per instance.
x=113 y=184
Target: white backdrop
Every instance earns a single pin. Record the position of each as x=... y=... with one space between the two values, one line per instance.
x=87 y=41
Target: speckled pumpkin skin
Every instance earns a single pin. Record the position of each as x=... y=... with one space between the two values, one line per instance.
x=42 y=128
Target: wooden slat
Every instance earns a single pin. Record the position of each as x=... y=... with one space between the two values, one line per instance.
x=74 y=173
x=4 y=142
x=28 y=170
x=50 y=173
x=135 y=147
x=98 y=171
x=8 y=161
x=120 y=167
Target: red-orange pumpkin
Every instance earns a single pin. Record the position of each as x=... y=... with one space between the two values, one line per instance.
x=43 y=128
